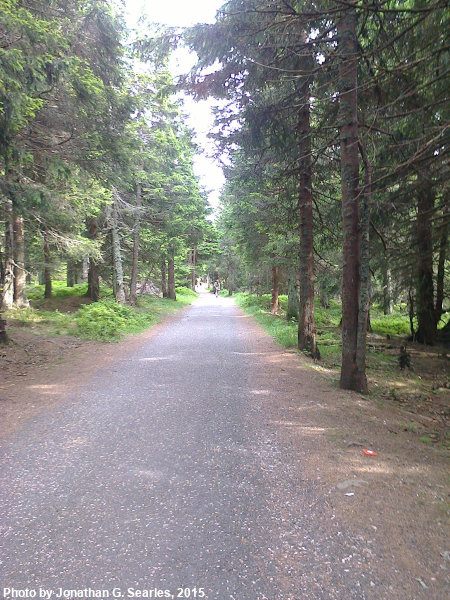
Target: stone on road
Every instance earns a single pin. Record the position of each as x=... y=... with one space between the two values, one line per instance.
x=164 y=472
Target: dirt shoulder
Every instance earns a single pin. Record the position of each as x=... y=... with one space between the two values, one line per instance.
x=395 y=505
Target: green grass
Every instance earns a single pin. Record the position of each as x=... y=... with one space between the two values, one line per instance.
x=394 y=324
x=285 y=332
x=105 y=320
x=282 y=330
x=54 y=321
x=59 y=290
x=425 y=440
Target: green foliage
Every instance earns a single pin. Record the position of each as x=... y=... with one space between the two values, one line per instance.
x=394 y=324
x=425 y=439
x=109 y=321
x=185 y=295
x=105 y=321
x=284 y=332
x=54 y=321
x=59 y=290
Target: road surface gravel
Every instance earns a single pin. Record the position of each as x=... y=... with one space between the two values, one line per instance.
x=166 y=473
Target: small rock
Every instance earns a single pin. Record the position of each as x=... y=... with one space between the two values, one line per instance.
x=422 y=583
x=343 y=485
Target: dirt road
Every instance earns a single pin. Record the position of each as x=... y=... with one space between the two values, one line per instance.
x=196 y=466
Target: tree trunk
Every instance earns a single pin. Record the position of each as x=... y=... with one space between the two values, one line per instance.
x=441 y=265
x=274 y=303
x=164 y=278
x=8 y=280
x=193 y=261
x=171 y=273
x=426 y=316
x=20 y=296
x=364 y=296
x=3 y=280
x=116 y=253
x=136 y=241
x=292 y=310
x=306 y=321
x=47 y=265
x=351 y=378
x=388 y=307
x=411 y=310
x=70 y=275
x=93 y=291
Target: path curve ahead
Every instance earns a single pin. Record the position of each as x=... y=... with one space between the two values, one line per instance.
x=166 y=471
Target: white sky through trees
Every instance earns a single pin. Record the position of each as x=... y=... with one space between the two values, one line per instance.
x=184 y=13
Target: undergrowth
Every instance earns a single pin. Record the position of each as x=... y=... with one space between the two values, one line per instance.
x=105 y=320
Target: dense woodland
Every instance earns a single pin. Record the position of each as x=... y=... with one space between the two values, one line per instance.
x=332 y=128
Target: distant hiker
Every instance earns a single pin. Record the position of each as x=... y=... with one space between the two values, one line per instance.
x=216 y=288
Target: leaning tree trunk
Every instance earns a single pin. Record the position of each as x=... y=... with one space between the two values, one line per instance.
x=47 y=265
x=274 y=304
x=426 y=315
x=306 y=322
x=119 y=290
x=20 y=296
x=171 y=273
x=351 y=377
x=136 y=241
x=93 y=291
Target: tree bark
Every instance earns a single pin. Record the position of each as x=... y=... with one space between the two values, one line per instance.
x=193 y=261
x=119 y=290
x=388 y=307
x=171 y=273
x=47 y=265
x=351 y=378
x=441 y=265
x=20 y=296
x=93 y=291
x=70 y=273
x=8 y=278
x=411 y=310
x=136 y=241
x=4 y=279
x=275 y=285
x=426 y=315
x=292 y=310
x=164 y=278
x=306 y=322
x=364 y=296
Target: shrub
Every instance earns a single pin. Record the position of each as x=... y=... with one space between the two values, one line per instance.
x=109 y=321
x=391 y=324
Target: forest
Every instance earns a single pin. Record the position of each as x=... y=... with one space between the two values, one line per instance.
x=332 y=129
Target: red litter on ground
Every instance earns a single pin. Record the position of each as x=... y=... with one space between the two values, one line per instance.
x=369 y=452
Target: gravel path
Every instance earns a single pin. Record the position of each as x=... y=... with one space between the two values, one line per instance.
x=163 y=476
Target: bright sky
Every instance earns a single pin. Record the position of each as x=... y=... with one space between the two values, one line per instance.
x=184 y=13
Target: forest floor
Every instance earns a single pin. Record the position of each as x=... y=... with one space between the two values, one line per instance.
x=400 y=496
